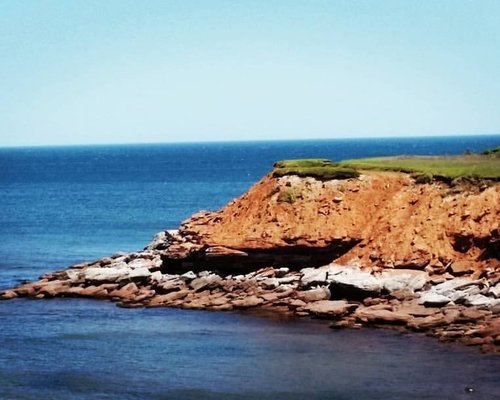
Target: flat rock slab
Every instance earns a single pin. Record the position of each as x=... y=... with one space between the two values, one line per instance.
x=378 y=316
x=329 y=308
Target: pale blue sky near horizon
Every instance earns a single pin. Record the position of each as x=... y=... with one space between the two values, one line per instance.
x=119 y=71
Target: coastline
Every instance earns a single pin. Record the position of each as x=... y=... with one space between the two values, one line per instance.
x=310 y=259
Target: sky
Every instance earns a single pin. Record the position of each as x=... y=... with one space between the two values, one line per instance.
x=118 y=71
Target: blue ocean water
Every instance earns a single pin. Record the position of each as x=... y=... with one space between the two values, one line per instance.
x=62 y=205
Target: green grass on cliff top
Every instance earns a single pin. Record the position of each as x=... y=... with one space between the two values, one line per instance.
x=481 y=166
x=314 y=167
x=452 y=167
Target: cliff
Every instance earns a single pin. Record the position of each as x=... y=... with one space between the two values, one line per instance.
x=379 y=220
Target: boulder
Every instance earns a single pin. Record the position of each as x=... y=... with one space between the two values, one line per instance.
x=461 y=268
x=431 y=299
x=494 y=291
x=127 y=292
x=108 y=274
x=354 y=285
x=313 y=295
x=188 y=276
x=140 y=273
x=380 y=316
x=7 y=295
x=210 y=281
x=329 y=308
x=313 y=276
x=403 y=279
x=247 y=302
x=142 y=263
x=270 y=283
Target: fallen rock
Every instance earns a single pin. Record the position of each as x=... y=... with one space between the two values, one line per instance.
x=313 y=295
x=8 y=294
x=431 y=299
x=210 y=281
x=461 y=267
x=329 y=308
x=403 y=279
x=108 y=274
x=250 y=301
x=378 y=316
x=354 y=285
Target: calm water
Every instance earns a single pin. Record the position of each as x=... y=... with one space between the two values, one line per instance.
x=64 y=205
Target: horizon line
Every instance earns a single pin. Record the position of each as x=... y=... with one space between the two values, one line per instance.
x=215 y=141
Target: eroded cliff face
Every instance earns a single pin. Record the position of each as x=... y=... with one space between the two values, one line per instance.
x=380 y=220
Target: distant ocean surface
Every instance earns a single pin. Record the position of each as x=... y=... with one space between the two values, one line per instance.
x=63 y=205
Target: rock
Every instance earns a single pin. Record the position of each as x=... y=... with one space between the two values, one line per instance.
x=314 y=295
x=269 y=297
x=377 y=316
x=288 y=279
x=494 y=291
x=108 y=274
x=142 y=263
x=480 y=300
x=210 y=281
x=472 y=315
x=431 y=299
x=458 y=268
x=296 y=303
x=166 y=299
x=188 y=276
x=250 y=301
x=313 y=277
x=432 y=321
x=329 y=308
x=94 y=292
x=75 y=276
x=270 y=283
x=7 y=295
x=54 y=288
x=354 y=285
x=281 y=272
x=170 y=285
x=417 y=310
x=139 y=273
x=403 y=279
x=28 y=290
x=127 y=292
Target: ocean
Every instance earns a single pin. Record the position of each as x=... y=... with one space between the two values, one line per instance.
x=63 y=205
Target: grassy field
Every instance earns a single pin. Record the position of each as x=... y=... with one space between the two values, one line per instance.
x=424 y=168
x=466 y=166
x=317 y=168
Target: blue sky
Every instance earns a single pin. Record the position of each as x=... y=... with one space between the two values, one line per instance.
x=78 y=72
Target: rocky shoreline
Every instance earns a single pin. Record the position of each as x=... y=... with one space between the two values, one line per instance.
x=377 y=250
x=464 y=309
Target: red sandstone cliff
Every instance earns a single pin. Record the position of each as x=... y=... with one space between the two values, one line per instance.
x=380 y=219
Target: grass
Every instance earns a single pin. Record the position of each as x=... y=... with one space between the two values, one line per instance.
x=321 y=169
x=472 y=166
x=424 y=169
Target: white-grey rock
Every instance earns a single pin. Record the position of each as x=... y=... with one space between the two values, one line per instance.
x=106 y=274
x=494 y=291
x=142 y=263
x=270 y=283
x=188 y=276
x=139 y=273
x=281 y=272
x=313 y=276
x=479 y=300
x=432 y=299
x=289 y=279
x=75 y=275
x=402 y=279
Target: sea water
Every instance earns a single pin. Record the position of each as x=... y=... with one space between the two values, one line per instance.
x=63 y=205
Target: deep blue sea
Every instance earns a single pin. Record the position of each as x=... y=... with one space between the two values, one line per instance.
x=62 y=205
